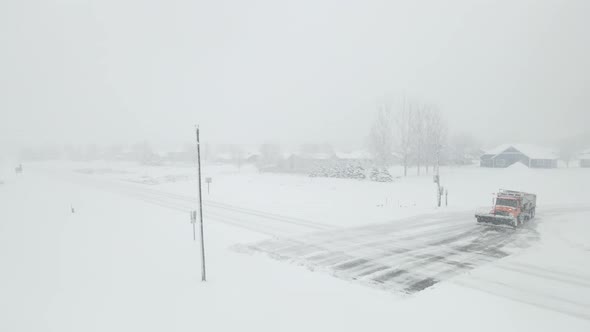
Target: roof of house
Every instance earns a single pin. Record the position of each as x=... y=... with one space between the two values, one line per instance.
x=354 y=155
x=315 y=156
x=319 y=156
x=498 y=149
x=252 y=154
x=531 y=151
x=585 y=153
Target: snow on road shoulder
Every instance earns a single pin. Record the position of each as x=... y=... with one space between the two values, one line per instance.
x=554 y=274
x=119 y=264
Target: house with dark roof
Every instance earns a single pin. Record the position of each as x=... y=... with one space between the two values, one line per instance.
x=508 y=154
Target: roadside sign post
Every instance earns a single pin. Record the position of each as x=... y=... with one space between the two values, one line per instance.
x=194 y=222
x=208 y=180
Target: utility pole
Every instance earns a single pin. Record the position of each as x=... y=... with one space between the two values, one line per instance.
x=203 y=274
x=439 y=189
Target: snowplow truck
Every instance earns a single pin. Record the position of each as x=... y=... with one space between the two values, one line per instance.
x=511 y=208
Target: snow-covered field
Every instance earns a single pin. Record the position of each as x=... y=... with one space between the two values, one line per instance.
x=288 y=252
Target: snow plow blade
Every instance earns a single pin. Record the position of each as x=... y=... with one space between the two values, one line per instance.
x=496 y=220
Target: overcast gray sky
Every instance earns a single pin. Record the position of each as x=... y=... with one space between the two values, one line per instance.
x=125 y=70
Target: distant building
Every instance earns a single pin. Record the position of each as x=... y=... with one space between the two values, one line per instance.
x=303 y=162
x=359 y=157
x=181 y=156
x=585 y=159
x=460 y=156
x=252 y=157
x=224 y=158
x=529 y=155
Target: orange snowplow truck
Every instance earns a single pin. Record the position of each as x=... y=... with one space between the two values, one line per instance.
x=511 y=208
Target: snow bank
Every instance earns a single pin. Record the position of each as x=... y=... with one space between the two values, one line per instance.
x=518 y=167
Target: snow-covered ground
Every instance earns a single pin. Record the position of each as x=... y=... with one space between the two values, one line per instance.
x=126 y=260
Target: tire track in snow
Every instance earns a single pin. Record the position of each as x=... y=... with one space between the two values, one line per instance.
x=399 y=261
x=254 y=220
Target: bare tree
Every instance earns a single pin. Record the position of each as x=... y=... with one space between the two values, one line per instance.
x=404 y=132
x=569 y=147
x=144 y=153
x=463 y=147
x=237 y=155
x=382 y=136
x=417 y=134
x=270 y=154
x=434 y=135
x=207 y=153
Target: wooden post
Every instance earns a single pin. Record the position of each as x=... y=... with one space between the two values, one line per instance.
x=203 y=274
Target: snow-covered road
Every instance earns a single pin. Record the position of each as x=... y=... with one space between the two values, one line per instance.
x=406 y=258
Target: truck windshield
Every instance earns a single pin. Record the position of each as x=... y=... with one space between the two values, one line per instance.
x=506 y=202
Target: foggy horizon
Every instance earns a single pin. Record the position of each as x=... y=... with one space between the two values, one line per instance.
x=106 y=72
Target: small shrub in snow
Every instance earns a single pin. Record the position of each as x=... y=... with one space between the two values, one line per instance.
x=380 y=175
x=340 y=171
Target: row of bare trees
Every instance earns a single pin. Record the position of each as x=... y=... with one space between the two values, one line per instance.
x=414 y=133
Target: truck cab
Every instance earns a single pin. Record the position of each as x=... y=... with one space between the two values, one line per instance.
x=507 y=206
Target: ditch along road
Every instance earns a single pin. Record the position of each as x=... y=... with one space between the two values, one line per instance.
x=404 y=256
